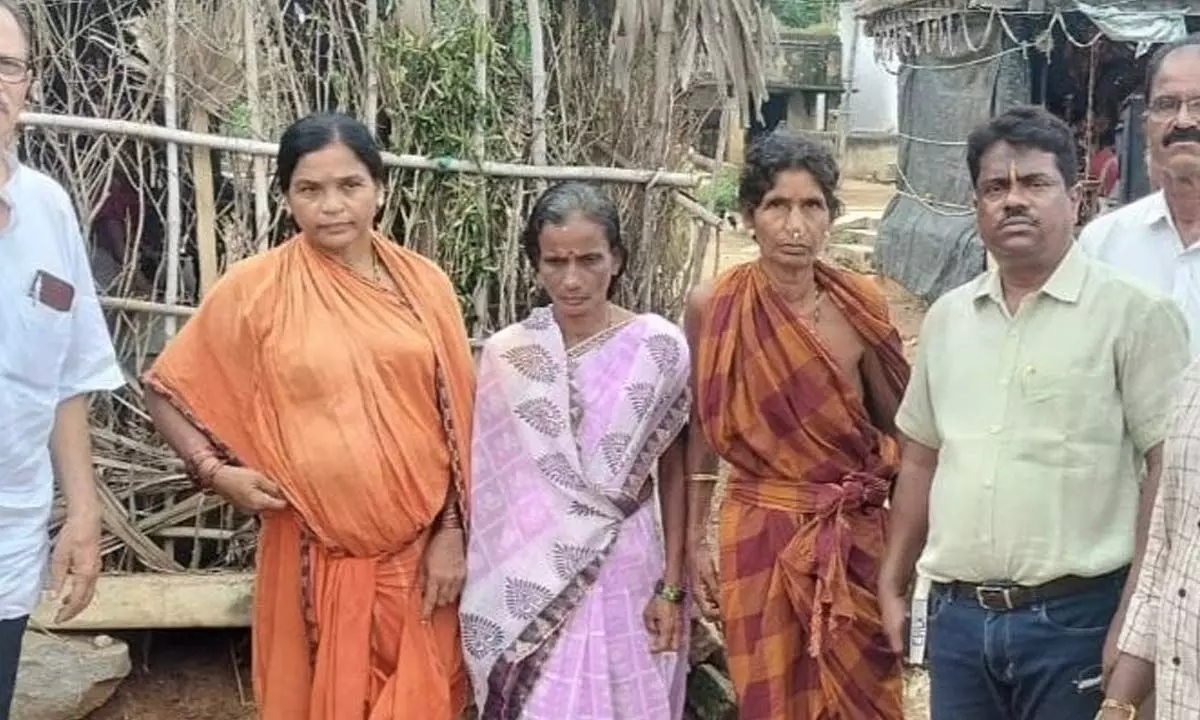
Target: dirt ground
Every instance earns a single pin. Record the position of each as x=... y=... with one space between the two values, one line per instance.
x=185 y=675
x=205 y=675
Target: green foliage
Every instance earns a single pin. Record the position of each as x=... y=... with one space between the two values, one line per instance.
x=237 y=123
x=428 y=92
x=803 y=14
x=720 y=192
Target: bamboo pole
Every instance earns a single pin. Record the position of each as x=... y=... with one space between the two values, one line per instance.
x=537 y=77
x=262 y=208
x=482 y=20
x=696 y=210
x=710 y=164
x=177 y=311
x=371 y=102
x=689 y=205
x=206 y=207
x=664 y=46
x=145 y=131
x=145 y=306
x=481 y=296
x=735 y=135
x=174 y=212
x=729 y=109
x=174 y=199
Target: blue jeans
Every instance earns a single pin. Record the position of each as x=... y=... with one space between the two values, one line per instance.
x=1021 y=664
x=11 y=632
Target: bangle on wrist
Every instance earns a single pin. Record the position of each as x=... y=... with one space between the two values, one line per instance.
x=1130 y=710
x=671 y=593
x=203 y=466
x=450 y=519
x=705 y=478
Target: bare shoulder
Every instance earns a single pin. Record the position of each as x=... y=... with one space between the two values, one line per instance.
x=866 y=287
x=697 y=302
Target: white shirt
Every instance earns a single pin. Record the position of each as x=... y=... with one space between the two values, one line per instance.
x=46 y=356
x=1140 y=239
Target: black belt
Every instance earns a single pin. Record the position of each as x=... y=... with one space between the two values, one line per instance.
x=1002 y=596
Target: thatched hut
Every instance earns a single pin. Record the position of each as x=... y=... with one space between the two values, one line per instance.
x=158 y=117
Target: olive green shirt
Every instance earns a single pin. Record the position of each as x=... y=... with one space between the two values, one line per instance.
x=1041 y=419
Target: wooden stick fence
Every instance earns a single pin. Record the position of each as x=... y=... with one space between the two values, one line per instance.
x=144 y=131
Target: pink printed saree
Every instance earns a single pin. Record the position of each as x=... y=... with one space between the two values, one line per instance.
x=565 y=547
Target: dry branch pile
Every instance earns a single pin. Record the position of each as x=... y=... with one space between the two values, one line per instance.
x=591 y=84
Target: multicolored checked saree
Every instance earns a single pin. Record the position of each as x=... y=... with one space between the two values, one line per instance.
x=802 y=524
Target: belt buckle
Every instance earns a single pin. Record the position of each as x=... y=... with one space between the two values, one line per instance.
x=984 y=594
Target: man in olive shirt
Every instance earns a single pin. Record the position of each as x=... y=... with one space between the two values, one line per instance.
x=1040 y=390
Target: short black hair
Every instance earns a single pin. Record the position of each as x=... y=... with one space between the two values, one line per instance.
x=318 y=131
x=779 y=152
x=1160 y=56
x=1027 y=126
x=21 y=14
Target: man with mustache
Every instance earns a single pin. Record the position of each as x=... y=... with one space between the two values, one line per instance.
x=54 y=351
x=1039 y=389
x=1155 y=238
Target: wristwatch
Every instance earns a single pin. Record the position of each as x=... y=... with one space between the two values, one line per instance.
x=670 y=593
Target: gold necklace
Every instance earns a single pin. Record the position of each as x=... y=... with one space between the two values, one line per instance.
x=376 y=272
x=608 y=323
x=813 y=316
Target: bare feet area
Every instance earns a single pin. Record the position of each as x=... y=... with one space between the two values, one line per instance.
x=205 y=674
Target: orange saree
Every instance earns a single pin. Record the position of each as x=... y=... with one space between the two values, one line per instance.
x=802 y=524
x=357 y=403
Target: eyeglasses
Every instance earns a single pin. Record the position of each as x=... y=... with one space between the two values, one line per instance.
x=1167 y=107
x=13 y=69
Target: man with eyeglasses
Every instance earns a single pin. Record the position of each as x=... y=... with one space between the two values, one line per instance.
x=54 y=352
x=1156 y=238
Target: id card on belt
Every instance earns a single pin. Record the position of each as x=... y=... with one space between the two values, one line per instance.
x=919 y=621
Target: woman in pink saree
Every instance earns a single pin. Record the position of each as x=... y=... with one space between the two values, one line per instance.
x=573 y=606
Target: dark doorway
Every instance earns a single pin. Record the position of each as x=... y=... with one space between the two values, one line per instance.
x=774 y=115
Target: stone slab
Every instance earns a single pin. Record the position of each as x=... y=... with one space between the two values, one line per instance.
x=152 y=601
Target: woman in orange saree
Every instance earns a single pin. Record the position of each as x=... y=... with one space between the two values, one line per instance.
x=326 y=385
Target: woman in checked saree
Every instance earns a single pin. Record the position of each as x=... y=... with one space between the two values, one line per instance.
x=573 y=606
